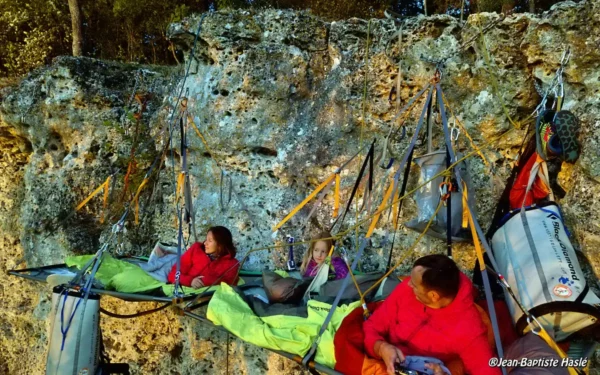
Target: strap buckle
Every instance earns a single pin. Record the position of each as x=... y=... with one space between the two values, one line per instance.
x=118 y=227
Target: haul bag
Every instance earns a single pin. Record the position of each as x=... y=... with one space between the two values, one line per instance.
x=534 y=253
x=428 y=198
x=74 y=352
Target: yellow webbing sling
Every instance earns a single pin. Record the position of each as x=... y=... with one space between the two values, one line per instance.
x=136 y=200
x=305 y=201
x=106 y=186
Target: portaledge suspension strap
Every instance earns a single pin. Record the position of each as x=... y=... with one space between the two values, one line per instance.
x=474 y=222
x=406 y=163
x=368 y=160
x=345 y=283
x=400 y=194
x=413 y=142
x=190 y=217
x=393 y=187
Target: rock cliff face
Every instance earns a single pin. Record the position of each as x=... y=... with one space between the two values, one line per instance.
x=282 y=99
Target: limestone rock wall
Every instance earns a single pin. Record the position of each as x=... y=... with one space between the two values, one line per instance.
x=282 y=99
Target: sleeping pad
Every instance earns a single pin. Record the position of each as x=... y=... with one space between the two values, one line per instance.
x=126 y=277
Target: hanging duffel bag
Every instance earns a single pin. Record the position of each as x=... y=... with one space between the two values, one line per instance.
x=536 y=257
x=74 y=347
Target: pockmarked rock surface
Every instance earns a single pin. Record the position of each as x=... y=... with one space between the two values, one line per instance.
x=282 y=99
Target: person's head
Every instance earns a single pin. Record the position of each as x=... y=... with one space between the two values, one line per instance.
x=318 y=250
x=219 y=242
x=435 y=280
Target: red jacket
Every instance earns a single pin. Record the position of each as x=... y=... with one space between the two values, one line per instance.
x=195 y=262
x=538 y=191
x=453 y=331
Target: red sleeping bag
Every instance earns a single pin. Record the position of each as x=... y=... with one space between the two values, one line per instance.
x=349 y=339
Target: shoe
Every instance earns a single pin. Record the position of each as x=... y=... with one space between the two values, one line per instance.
x=547 y=141
x=567 y=126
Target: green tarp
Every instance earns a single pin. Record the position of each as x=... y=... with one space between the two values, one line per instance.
x=287 y=333
x=126 y=277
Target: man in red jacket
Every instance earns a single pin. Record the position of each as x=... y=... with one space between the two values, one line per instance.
x=431 y=314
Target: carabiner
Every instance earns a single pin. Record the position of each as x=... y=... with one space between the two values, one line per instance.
x=445 y=189
x=454 y=133
x=566 y=56
x=534 y=329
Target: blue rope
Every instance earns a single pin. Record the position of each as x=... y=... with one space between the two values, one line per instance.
x=62 y=318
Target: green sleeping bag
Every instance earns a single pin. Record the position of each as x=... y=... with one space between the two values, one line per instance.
x=287 y=333
x=126 y=277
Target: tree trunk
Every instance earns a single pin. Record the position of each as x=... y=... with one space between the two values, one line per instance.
x=425 y=6
x=76 y=26
x=531 y=6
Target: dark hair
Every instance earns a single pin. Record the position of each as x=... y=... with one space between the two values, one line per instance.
x=441 y=274
x=224 y=241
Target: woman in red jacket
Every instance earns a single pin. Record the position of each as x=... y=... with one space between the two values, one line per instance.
x=203 y=264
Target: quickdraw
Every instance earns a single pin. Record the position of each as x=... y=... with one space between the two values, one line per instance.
x=221 y=201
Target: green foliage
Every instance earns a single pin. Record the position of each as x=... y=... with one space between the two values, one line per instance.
x=336 y=9
x=231 y=4
x=32 y=32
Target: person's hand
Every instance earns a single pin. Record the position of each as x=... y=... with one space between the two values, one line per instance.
x=437 y=369
x=159 y=252
x=197 y=282
x=390 y=356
